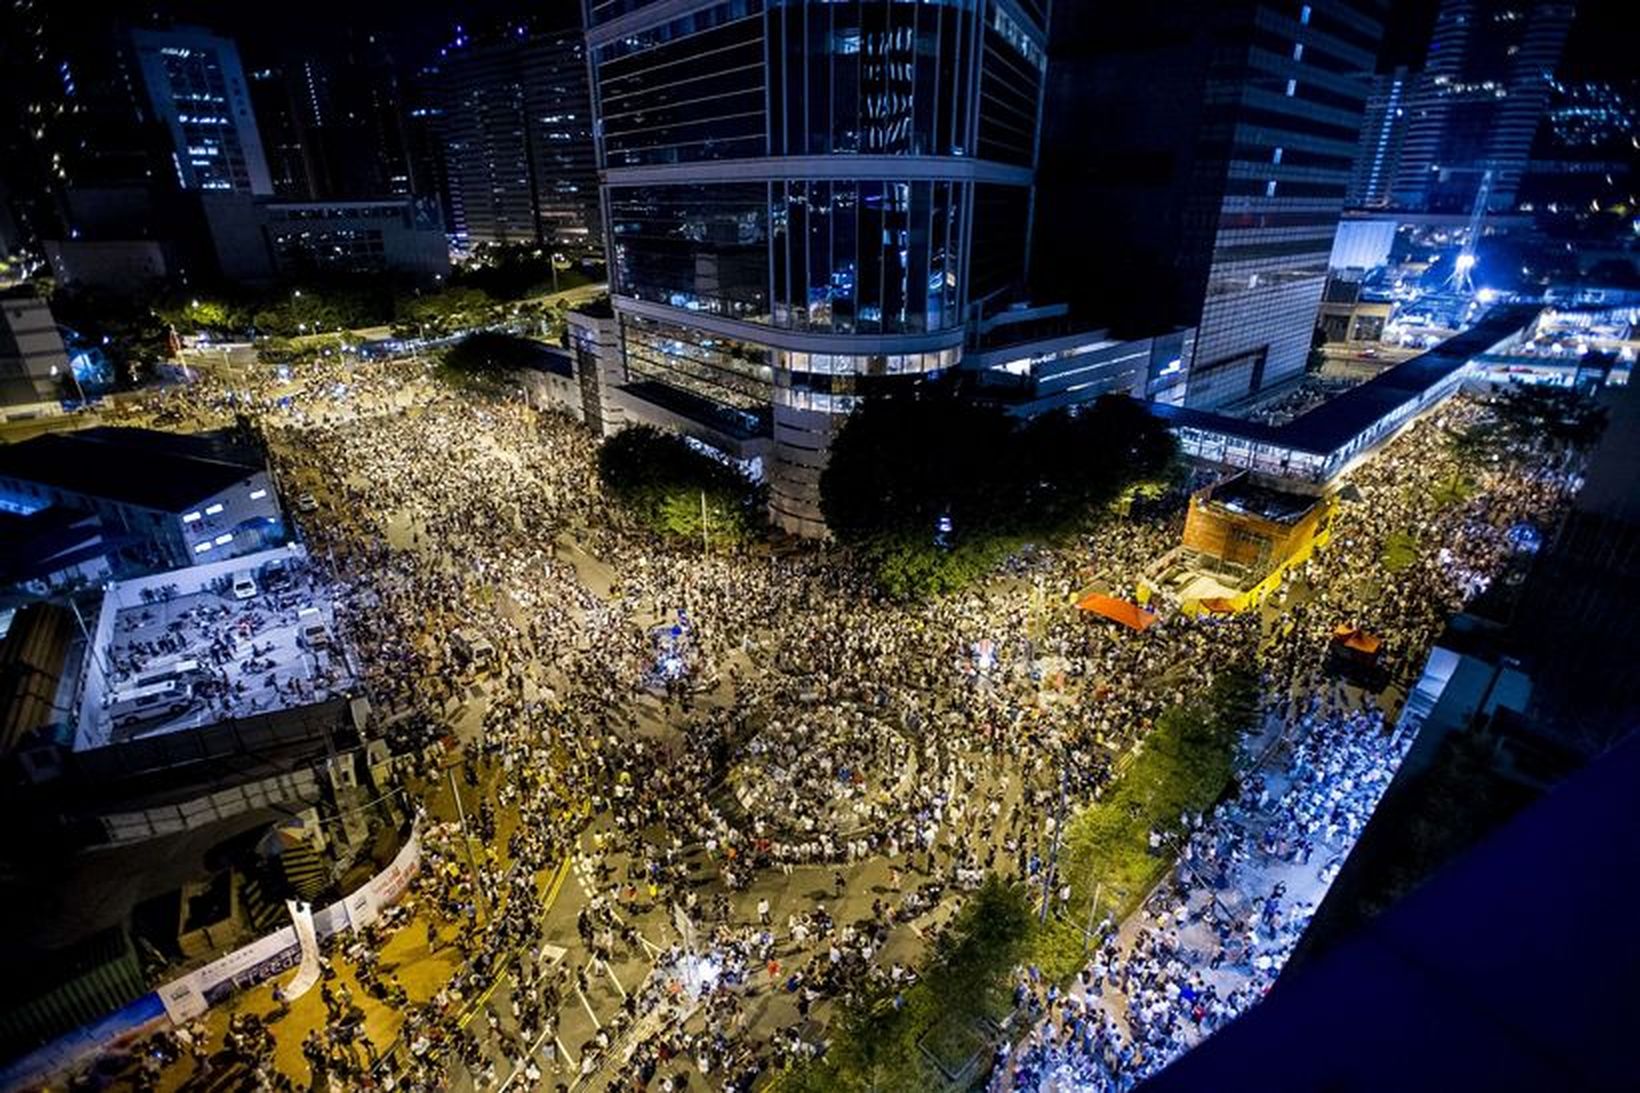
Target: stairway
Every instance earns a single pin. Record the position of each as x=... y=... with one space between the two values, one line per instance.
x=304 y=869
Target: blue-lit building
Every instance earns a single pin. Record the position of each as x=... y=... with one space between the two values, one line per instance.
x=804 y=200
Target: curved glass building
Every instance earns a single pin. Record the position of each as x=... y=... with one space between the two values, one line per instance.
x=806 y=198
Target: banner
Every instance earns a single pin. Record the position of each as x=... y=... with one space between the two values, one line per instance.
x=191 y=995
x=307 y=973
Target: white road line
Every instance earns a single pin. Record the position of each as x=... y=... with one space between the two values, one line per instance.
x=611 y=973
x=588 y=1007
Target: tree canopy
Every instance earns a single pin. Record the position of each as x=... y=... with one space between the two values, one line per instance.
x=885 y=1038
x=668 y=485
x=933 y=489
x=1530 y=420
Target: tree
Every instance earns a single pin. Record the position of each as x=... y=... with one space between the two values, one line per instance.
x=932 y=489
x=1317 y=360
x=438 y=313
x=668 y=486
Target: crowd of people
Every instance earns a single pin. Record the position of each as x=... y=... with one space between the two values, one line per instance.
x=828 y=731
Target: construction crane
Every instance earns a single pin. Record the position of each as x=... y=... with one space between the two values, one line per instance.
x=1459 y=280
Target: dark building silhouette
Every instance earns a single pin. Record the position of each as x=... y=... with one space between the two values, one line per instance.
x=1195 y=160
x=515 y=118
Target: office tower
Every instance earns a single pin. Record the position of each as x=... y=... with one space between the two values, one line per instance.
x=425 y=149
x=290 y=169
x=1195 y=162
x=72 y=115
x=1383 y=130
x=516 y=122
x=349 y=112
x=196 y=88
x=1584 y=157
x=1478 y=103
x=806 y=200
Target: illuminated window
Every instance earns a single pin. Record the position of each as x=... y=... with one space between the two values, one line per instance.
x=201 y=548
x=257 y=495
x=225 y=537
x=190 y=517
x=212 y=510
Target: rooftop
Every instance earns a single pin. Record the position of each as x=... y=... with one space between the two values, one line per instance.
x=1333 y=424
x=1241 y=496
x=191 y=647
x=147 y=468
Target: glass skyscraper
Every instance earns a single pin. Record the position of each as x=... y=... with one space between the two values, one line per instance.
x=804 y=199
x=1478 y=103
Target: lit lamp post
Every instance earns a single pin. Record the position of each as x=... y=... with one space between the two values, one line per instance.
x=72 y=379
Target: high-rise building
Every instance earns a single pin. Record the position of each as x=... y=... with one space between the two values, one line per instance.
x=516 y=122
x=1195 y=161
x=1478 y=102
x=1585 y=157
x=72 y=115
x=1383 y=130
x=197 y=90
x=289 y=167
x=805 y=200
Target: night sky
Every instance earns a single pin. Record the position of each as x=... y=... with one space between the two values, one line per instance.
x=1601 y=45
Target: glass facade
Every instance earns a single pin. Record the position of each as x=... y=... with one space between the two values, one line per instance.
x=843 y=257
x=1010 y=91
x=858 y=257
x=700 y=117
x=687 y=90
x=1292 y=131
x=700 y=246
x=870 y=77
x=726 y=371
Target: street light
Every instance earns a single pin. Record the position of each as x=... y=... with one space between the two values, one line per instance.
x=75 y=379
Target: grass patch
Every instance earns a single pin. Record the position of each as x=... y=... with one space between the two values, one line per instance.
x=1454 y=489
x=1185 y=764
x=1400 y=551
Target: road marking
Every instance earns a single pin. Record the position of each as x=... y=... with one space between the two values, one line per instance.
x=599 y=1025
x=611 y=973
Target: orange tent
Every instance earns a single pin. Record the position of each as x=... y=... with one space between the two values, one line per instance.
x=1128 y=614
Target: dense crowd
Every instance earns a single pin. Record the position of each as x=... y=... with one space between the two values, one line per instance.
x=820 y=728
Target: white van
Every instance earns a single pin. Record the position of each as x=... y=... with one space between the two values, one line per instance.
x=243 y=587
x=156 y=702
x=474 y=650
x=311 y=630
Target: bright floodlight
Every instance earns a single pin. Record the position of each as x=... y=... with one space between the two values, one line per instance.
x=1466 y=262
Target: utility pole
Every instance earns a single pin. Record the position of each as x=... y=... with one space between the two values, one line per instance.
x=467 y=841
x=1053 y=853
x=1093 y=909
x=704 y=548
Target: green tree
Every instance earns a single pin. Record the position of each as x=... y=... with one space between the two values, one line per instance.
x=931 y=489
x=665 y=483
